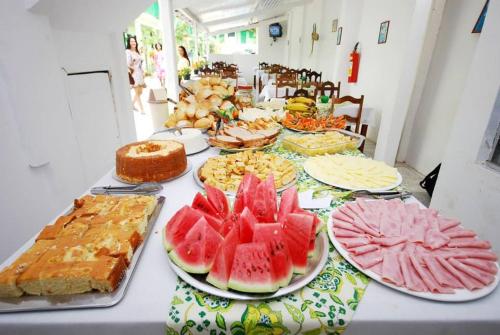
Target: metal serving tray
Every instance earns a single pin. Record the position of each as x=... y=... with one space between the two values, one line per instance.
x=75 y=301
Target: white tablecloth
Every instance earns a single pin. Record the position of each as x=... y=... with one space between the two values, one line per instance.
x=269 y=91
x=144 y=308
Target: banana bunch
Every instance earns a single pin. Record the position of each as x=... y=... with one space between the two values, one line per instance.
x=301 y=106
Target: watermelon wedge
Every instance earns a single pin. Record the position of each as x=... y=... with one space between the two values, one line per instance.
x=316 y=225
x=196 y=253
x=297 y=229
x=215 y=222
x=246 y=193
x=229 y=223
x=218 y=200
x=247 y=222
x=272 y=235
x=289 y=202
x=252 y=270
x=201 y=203
x=262 y=204
x=179 y=225
x=221 y=269
x=272 y=202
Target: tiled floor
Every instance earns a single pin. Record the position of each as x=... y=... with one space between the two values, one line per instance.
x=411 y=177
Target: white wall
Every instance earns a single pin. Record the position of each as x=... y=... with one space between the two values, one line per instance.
x=424 y=140
x=35 y=122
x=465 y=188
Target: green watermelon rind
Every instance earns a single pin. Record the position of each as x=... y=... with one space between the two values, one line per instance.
x=168 y=247
x=252 y=287
x=216 y=282
x=188 y=267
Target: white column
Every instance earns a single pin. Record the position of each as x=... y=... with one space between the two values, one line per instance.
x=167 y=22
x=196 y=55
x=207 y=45
x=392 y=123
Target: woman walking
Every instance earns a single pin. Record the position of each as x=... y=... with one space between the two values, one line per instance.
x=136 y=73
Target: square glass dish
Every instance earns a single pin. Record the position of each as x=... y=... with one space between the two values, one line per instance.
x=330 y=142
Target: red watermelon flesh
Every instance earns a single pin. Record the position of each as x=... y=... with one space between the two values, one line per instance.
x=316 y=225
x=297 y=229
x=218 y=200
x=197 y=252
x=272 y=235
x=271 y=200
x=247 y=222
x=229 y=223
x=221 y=269
x=261 y=205
x=201 y=203
x=246 y=193
x=215 y=222
x=179 y=225
x=289 y=202
x=252 y=270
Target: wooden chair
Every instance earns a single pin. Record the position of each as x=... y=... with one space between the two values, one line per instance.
x=357 y=101
x=263 y=65
x=229 y=73
x=218 y=65
x=329 y=89
x=208 y=72
x=303 y=73
x=314 y=77
x=286 y=80
x=231 y=66
x=302 y=93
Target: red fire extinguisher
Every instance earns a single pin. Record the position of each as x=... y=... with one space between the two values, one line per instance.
x=352 y=73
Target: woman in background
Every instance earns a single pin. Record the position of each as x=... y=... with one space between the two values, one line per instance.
x=136 y=73
x=159 y=59
x=183 y=59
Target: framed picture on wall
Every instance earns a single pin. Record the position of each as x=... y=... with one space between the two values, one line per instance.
x=384 y=30
x=335 y=23
x=339 y=35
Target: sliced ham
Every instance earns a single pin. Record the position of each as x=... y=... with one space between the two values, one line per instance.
x=488 y=266
x=445 y=224
x=353 y=242
x=412 y=208
x=462 y=239
x=389 y=226
x=442 y=276
x=337 y=223
x=469 y=282
x=377 y=268
x=417 y=233
x=470 y=244
x=412 y=279
x=394 y=248
x=388 y=241
x=430 y=282
x=363 y=249
x=369 y=259
x=476 y=253
x=339 y=232
x=434 y=239
x=362 y=226
x=460 y=233
x=341 y=216
x=407 y=225
x=479 y=275
x=391 y=270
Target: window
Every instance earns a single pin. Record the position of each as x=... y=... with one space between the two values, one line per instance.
x=236 y=42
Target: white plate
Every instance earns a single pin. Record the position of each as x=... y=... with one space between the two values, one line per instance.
x=231 y=193
x=314 y=267
x=345 y=187
x=460 y=295
x=117 y=178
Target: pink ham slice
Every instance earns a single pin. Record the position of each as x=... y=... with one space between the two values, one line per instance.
x=445 y=224
x=362 y=226
x=417 y=231
x=388 y=241
x=369 y=259
x=477 y=274
x=442 y=276
x=430 y=282
x=339 y=232
x=474 y=253
x=469 y=282
x=460 y=233
x=353 y=242
x=412 y=208
x=434 y=239
x=341 y=216
x=377 y=268
x=470 y=244
x=490 y=267
x=363 y=249
x=391 y=270
x=337 y=223
x=389 y=226
x=411 y=278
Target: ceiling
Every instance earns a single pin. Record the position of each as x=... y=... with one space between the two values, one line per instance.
x=219 y=15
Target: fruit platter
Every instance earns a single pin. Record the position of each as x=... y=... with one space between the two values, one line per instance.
x=312 y=124
x=414 y=250
x=226 y=172
x=353 y=172
x=258 y=248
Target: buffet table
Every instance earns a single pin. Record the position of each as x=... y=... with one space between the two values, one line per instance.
x=146 y=304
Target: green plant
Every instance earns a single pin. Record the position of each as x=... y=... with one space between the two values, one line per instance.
x=184 y=72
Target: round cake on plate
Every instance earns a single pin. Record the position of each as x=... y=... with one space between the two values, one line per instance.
x=145 y=161
x=193 y=139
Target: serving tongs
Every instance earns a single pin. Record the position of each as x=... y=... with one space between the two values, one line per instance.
x=144 y=188
x=386 y=195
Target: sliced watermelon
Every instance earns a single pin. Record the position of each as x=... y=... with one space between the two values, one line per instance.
x=289 y=202
x=252 y=270
x=197 y=252
x=221 y=269
x=246 y=193
x=262 y=206
x=218 y=200
x=272 y=235
x=247 y=222
x=215 y=222
x=201 y=203
x=297 y=229
x=179 y=225
x=272 y=203
x=316 y=225
x=229 y=223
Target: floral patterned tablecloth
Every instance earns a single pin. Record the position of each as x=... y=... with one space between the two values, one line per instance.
x=325 y=305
